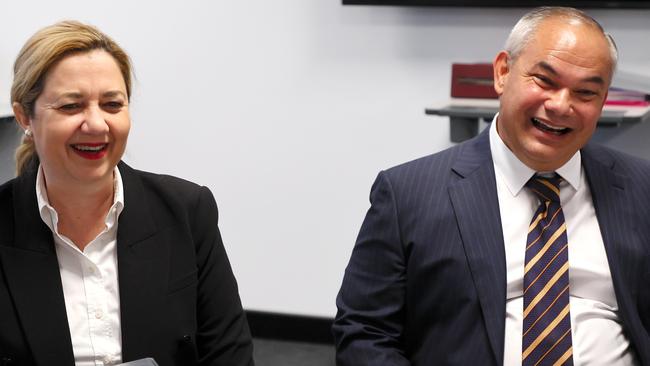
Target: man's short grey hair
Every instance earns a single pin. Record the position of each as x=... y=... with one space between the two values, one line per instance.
x=524 y=30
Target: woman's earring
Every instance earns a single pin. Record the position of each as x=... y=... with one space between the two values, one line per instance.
x=28 y=132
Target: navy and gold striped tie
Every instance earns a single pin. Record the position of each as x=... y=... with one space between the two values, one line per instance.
x=547 y=324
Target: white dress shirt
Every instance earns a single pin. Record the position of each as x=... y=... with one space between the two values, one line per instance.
x=596 y=330
x=90 y=285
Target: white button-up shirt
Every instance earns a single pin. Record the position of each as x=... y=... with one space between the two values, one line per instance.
x=90 y=284
x=597 y=333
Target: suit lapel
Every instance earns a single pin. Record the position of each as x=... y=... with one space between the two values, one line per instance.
x=476 y=206
x=32 y=273
x=614 y=205
x=143 y=268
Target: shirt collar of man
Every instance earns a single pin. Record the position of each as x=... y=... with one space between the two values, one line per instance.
x=50 y=216
x=516 y=174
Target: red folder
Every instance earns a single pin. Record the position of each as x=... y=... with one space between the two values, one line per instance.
x=472 y=81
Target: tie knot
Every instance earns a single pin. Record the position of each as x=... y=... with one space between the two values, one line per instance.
x=545 y=188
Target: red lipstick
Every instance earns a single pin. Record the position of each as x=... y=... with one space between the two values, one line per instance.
x=90 y=151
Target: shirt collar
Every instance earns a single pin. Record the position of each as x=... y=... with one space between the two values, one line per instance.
x=49 y=215
x=515 y=173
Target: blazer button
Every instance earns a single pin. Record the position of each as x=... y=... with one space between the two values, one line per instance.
x=187 y=338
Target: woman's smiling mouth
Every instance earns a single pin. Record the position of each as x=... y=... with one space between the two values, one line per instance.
x=91 y=151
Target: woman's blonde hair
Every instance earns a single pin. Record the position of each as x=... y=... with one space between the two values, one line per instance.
x=44 y=49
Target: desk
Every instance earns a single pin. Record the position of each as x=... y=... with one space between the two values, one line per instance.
x=6 y=114
x=5 y=110
x=10 y=137
x=465 y=115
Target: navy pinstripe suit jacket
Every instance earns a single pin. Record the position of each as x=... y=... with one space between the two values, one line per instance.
x=426 y=283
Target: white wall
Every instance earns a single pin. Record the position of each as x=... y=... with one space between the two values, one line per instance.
x=288 y=109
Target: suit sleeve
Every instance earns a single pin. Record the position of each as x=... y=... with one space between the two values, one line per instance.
x=368 y=328
x=223 y=337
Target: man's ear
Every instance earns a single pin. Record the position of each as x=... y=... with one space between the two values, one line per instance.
x=501 y=69
x=21 y=116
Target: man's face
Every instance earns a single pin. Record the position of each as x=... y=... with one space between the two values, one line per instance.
x=552 y=95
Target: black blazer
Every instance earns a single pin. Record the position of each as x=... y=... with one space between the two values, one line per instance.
x=426 y=283
x=179 y=301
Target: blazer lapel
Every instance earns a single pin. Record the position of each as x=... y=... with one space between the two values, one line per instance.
x=476 y=206
x=143 y=268
x=614 y=204
x=32 y=274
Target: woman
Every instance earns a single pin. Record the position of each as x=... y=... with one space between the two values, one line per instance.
x=101 y=263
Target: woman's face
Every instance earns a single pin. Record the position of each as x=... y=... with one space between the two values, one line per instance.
x=81 y=120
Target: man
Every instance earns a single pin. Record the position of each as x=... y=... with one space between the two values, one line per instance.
x=525 y=245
